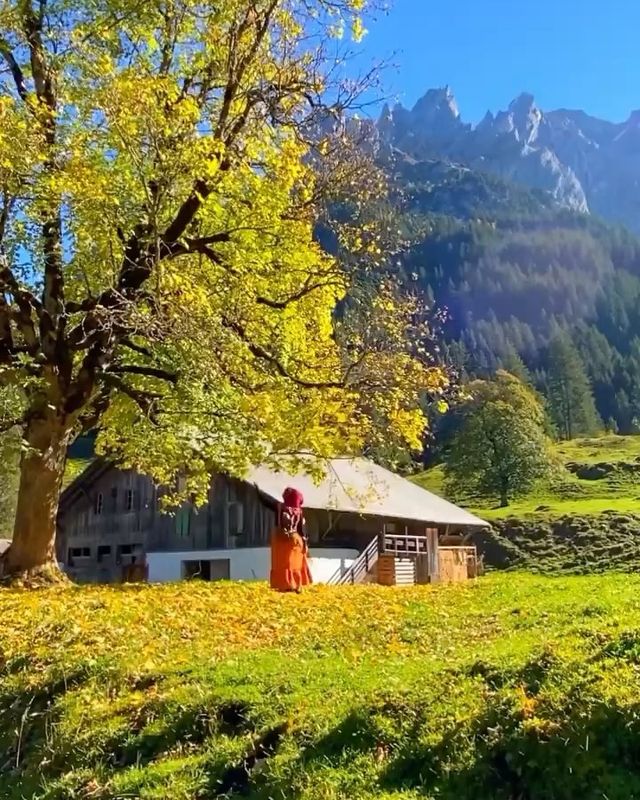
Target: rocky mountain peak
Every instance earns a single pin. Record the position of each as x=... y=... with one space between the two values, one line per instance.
x=523 y=103
x=437 y=104
x=582 y=162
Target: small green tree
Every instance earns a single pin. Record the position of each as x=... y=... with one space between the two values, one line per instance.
x=570 y=396
x=501 y=449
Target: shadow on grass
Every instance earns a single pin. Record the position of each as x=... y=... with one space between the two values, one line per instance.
x=26 y=715
x=498 y=755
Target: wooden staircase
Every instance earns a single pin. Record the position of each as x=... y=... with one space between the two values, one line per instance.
x=360 y=568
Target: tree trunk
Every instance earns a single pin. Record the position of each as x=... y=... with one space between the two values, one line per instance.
x=504 y=494
x=32 y=550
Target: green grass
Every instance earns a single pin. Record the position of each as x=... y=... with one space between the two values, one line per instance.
x=568 y=494
x=514 y=686
x=602 y=448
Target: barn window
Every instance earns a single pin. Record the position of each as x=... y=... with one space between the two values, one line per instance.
x=236 y=519
x=128 y=553
x=391 y=527
x=130 y=499
x=114 y=498
x=183 y=520
x=104 y=551
x=98 y=504
x=78 y=553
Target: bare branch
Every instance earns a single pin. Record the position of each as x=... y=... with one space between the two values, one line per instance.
x=6 y=338
x=282 y=304
x=264 y=355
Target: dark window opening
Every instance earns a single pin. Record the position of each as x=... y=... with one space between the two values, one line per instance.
x=129 y=499
x=114 y=498
x=217 y=569
x=98 y=504
x=235 y=516
x=128 y=553
x=104 y=551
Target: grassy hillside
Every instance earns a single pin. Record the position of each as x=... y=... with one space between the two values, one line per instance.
x=514 y=686
x=593 y=476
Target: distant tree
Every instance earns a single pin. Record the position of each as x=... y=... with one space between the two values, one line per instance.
x=501 y=449
x=570 y=396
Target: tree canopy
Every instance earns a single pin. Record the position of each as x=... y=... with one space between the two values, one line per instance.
x=500 y=449
x=162 y=168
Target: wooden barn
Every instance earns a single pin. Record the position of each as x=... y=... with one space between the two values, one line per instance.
x=364 y=523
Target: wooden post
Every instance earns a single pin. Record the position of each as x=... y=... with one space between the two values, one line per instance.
x=432 y=554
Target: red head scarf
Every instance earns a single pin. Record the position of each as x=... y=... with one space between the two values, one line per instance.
x=292 y=498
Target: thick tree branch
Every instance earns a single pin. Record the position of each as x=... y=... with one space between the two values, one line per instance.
x=53 y=322
x=137 y=348
x=14 y=67
x=146 y=401
x=6 y=337
x=26 y=302
x=150 y=372
x=201 y=189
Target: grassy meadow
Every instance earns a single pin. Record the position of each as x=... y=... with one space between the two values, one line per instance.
x=613 y=488
x=513 y=686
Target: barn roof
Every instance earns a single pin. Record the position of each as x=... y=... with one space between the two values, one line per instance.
x=353 y=485
x=4 y=545
x=356 y=485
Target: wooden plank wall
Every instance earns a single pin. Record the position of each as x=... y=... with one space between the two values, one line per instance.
x=386 y=570
x=453 y=566
x=393 y=571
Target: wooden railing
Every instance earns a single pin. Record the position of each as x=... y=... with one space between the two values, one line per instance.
x=360 y=567
x=404 y=544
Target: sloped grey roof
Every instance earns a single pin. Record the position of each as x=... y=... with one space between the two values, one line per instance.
x=360 y=486
x=4 y=545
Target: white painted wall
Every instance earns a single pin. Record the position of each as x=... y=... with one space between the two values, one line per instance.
x=250 y=563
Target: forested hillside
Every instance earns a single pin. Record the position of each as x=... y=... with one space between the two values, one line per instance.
x=514 y=272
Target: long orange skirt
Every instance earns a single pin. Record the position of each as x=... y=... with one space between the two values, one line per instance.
x=289 y=564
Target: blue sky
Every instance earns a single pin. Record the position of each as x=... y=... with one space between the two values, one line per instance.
x=568 y=53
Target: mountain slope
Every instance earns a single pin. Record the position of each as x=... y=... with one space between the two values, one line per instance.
x=512 y=268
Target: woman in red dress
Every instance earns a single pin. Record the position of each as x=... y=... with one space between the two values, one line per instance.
x=289 y=550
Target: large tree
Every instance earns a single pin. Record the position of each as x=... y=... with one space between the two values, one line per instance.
x=162 y=168
x=501 y=449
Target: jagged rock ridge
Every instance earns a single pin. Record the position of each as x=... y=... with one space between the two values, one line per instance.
x=584 y=163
